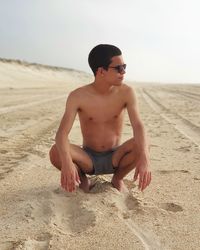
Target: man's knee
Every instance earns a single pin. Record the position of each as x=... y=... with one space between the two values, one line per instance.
x=128 y=159
x=128 y=155
x=54 y=157
x=51 y=154
x=122 y=151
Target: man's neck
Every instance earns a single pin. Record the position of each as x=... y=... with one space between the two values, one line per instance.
x=102 y=87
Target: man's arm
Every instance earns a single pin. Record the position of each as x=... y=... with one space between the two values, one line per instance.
x=142 y=165
x=69 y=173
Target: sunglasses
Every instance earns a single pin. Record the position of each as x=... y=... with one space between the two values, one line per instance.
x=119 y=68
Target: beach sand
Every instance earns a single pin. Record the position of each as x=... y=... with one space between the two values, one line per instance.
x=35 y=213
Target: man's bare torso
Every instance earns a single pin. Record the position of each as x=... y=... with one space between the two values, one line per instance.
x=101 y=116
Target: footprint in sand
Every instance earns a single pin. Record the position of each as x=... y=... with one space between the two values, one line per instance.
x=130 y=184
x=40 y=242
x=163 y=132
x=70 y=214
x=2 y=151
x=184 y=149
x=2 y=176
x=37 y=211
x=173 y=171
x=8 y=245
x=5 y=172
x=126 y=205
x=132 y=203
x=172 y=207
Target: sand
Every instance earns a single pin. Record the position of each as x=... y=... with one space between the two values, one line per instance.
x=35 y=213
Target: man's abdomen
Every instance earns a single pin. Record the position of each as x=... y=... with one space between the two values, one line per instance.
x=100 y=139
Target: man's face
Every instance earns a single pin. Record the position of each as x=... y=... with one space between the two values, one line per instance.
x=115 y=73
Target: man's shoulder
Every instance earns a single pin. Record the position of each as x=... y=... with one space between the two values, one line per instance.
x=128 y=93
x=78 y=91
x=125 y=88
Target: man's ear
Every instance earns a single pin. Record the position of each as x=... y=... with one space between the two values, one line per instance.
x=100 y=71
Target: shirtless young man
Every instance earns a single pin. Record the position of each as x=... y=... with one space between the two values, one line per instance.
x=100 y=106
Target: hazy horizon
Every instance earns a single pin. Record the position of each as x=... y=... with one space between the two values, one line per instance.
x=159 y=40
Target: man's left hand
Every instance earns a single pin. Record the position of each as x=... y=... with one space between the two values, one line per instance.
x=142 y=170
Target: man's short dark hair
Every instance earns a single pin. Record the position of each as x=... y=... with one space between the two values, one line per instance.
x=100 y=56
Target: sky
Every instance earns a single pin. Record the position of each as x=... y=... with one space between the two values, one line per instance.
x=160 y=40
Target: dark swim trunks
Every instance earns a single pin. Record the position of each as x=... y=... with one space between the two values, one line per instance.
x=102 y=161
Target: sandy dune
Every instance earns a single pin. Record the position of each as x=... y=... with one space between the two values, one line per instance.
x=36 y=214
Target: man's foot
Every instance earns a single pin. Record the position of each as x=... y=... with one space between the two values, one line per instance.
x=119 y=184
x=85 y=184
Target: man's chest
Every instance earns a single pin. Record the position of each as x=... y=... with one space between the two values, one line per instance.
x=101 y=109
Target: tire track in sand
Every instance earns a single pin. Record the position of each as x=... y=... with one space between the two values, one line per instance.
x=20 y=146
x=184 y=126
x=125 y=205
x=30 y=104
x=146 y=240
x=193 y=96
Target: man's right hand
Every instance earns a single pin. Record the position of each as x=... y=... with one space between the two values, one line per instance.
x=69 y=178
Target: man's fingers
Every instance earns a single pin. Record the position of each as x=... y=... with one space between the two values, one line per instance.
x=78 y=181
x=63 y=181
x=70 y=180
x=144 y=182
x=141 y=176
x=136 y=174
x=149 y=179
x=73 y=183
x=68 y=186
x=77 y=178
x=66 y=182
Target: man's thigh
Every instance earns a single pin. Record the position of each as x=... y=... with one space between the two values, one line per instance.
x=125 y=155
x=79 y=157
